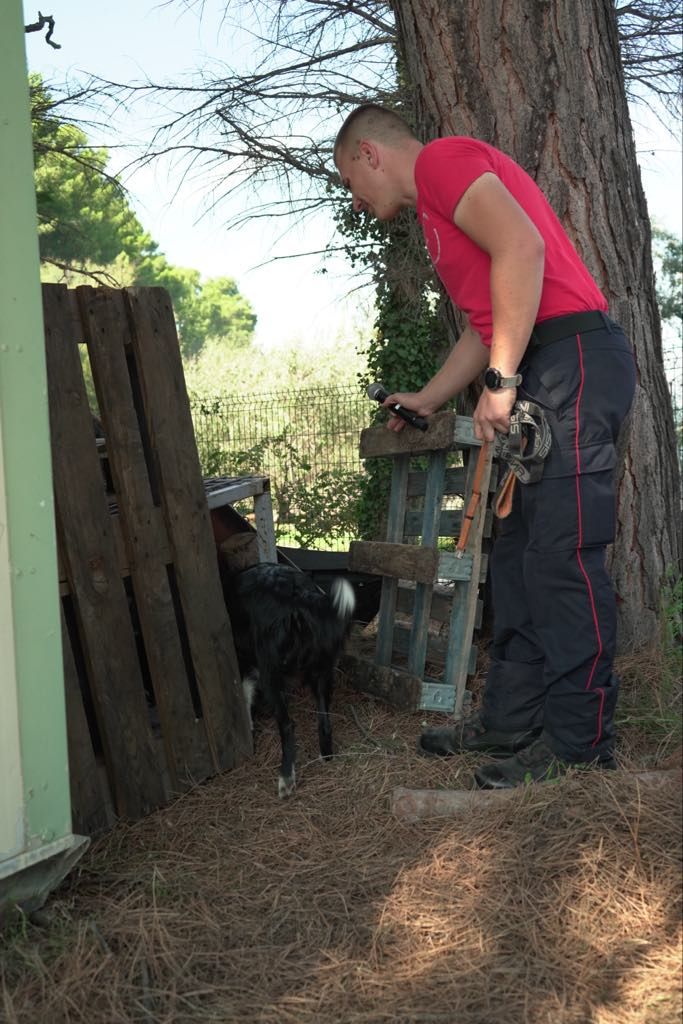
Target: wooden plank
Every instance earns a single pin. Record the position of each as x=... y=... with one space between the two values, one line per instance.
x=408 y=562
x=429 y=532
x=451 y=567
x=454 y=482
x=265 y=529
x=378 y=441
x=106 y=331
x=395 y=521
x=436 y=696
x=122 y=559
x=91 y=809
x=450 y=523
x=441 y=605
x=463 y=434
x=84 y=523
x=437 y=648
x=167 y=412
x=236 y=490
x=399 y=561
x=446 y=431
x=396 y=687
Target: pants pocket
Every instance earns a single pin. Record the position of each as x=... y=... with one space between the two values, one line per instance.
x=568 y=512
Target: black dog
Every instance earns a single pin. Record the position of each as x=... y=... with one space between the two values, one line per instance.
x=283 y=624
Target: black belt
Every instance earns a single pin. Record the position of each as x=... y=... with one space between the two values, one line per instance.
x=565 y=326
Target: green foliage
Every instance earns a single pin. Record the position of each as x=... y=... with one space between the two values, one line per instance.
x=309 y=509
x=84 y=215
x=408 y=333
x=667 y=251
x=325 y=511
x=216 y=370
x=214 y=310
x=668 y=254
x=87 y=228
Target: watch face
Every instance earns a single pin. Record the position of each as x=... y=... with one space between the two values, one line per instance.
x=492 y=379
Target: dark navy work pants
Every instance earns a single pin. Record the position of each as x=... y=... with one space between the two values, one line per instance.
x=553 y=603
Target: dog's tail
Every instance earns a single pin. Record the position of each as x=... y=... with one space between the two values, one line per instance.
x=343 y=600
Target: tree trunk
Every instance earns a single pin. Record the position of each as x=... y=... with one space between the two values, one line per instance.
x=543 y=82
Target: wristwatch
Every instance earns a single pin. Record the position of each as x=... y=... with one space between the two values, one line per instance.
x=495 y=381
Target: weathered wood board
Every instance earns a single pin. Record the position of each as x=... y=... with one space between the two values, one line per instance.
x=424 y=564
x=147 y=621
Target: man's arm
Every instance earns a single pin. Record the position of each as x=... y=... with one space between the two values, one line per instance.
x=464 y=363
x=494 y=220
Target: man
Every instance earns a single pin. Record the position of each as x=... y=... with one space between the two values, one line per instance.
x=538 y=324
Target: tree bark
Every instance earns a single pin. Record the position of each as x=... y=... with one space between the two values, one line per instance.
x=543 y=82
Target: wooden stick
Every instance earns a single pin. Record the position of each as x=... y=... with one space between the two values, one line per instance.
x=412 y=805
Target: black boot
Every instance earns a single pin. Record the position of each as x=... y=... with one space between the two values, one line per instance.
x=536 y=763
x=470 y=736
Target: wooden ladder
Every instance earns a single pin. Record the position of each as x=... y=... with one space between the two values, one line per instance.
x=428 y=583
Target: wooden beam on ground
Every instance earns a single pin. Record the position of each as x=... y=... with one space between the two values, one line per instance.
x=413 y=805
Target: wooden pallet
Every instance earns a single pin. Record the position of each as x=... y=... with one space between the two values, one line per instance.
x=430 y=602
x=143 y=608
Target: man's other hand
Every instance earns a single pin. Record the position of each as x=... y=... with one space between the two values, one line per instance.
x=492 y=414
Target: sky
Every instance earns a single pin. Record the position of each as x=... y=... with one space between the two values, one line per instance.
x=304 y=299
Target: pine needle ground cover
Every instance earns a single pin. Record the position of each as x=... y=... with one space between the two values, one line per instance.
x=560 y=907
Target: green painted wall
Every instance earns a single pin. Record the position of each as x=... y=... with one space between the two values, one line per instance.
x=31 y=679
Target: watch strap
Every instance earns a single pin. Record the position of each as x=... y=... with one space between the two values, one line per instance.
x=511 y=382
x=497 y=382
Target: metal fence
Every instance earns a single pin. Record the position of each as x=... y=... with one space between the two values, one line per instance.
x=318 y=428
x=306 y=441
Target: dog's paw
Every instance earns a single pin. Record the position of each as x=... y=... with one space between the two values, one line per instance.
x=286 y=785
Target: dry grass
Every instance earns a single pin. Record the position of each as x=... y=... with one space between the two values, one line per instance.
x=562 y=907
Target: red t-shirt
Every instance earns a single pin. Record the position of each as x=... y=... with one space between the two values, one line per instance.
x=444 y=170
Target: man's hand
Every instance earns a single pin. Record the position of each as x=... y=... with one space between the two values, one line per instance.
x=493 y=413
x=412 y=400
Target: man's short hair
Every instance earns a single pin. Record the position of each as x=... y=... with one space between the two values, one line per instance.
x=370 y=121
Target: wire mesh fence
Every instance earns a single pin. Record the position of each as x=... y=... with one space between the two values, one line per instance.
x=306 y=441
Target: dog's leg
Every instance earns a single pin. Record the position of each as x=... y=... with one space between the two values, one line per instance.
x=321 y=684
x=249 y=685
x=287 y=781
x=273 y=688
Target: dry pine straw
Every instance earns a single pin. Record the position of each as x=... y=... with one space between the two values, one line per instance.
x=562 y=907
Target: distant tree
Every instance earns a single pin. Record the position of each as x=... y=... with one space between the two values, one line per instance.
x=668 y=253
x=208 y=311
x=83 y=213
x=87 y=228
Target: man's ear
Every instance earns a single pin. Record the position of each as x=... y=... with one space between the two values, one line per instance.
x=369 y=153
